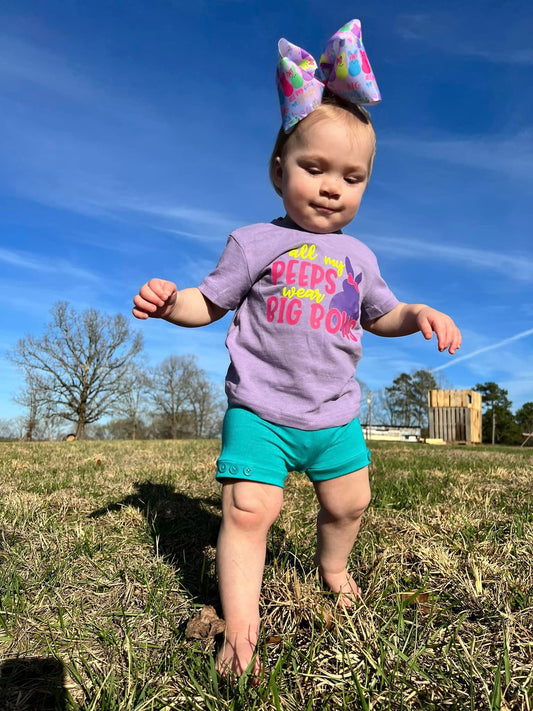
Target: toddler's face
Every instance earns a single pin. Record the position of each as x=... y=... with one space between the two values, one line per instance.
x=324 y=172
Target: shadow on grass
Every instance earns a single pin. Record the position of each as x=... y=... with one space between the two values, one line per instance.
x=32 y=684
x=182 y=528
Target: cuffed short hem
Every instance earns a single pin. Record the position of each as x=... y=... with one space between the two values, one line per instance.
x=352 y=465
x=227 y=469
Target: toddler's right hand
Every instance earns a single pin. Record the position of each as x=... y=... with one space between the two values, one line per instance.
x=156 y=299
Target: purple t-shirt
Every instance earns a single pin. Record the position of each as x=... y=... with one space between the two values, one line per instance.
x=295 y=340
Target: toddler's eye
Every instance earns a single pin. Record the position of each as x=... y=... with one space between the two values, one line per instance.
x=313 y=170
x=352 y=180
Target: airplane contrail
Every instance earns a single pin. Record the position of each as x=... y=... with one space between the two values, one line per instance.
x=517 y=337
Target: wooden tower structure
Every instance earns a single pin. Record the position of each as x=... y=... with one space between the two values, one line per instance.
x=455 y=416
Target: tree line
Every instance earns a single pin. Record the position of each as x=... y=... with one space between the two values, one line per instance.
x=404 y=403
x=87 y=367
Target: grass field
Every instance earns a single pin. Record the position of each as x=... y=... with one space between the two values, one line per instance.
x=107 y=551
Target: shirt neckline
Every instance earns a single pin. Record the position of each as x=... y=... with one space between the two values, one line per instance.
x=290 y=224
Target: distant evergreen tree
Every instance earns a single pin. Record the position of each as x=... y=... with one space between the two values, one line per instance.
x=524 y=418
x=498 y=421
x=407 y=398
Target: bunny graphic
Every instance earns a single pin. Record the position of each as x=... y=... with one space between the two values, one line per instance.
x=347 y=300
x=355 y=67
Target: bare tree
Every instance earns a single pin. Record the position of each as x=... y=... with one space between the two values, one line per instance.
x=364 y=405
x=171 y=394
x=381 y=410
x=11 y=429
x=206 y=404
x=80 y=362
x=187 y=403
x=30 y=397
x=131 y=403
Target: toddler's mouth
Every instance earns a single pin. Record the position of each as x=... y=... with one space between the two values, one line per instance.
x=323 y=208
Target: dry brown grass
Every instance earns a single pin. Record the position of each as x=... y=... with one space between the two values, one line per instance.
x=107 y=550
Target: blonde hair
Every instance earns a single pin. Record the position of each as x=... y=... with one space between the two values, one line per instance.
x=331 y=107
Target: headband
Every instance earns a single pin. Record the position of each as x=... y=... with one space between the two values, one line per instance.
x=344 y=69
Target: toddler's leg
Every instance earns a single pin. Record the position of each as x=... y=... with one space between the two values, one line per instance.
x=342 y=503
x=248 y=510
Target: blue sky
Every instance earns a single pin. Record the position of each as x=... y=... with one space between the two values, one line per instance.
x=134 y=136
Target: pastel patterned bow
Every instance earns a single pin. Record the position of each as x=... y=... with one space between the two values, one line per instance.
x=344 y=69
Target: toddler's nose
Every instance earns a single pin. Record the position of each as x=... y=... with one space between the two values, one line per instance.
x=330 y=187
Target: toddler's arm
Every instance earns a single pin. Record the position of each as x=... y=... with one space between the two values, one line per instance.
x=410 y=318
x=159 y=298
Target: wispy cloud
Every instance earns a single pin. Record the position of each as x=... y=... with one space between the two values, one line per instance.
x=423 y=26
x=80 y=174
x=38 y=263
x=504 y=342
x=38 y=71
x=516 y=267
x=510 y=155
x=179 y=212
x=67 y=132
x=92 y=175
x=513 y=56
x=436 y=29
x=22 y=61
x=209 y=224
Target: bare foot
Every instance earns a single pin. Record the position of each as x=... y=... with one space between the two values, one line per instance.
x=343 y=584
x=235 y=657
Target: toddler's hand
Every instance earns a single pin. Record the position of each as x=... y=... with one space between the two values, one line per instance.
x=155 y=299
x=448 y=335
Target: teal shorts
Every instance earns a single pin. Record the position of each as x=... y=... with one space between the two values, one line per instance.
x=257 y=450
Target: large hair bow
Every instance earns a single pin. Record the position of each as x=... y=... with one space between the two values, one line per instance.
x=344 y=69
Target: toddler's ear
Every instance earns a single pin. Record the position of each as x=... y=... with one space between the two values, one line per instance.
x=278 y=173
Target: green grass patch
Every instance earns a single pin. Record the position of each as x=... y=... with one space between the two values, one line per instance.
x=107 y=550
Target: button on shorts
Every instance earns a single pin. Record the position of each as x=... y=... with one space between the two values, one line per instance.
x=257 y=450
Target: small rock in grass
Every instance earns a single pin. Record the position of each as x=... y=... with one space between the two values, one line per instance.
x=205 y=625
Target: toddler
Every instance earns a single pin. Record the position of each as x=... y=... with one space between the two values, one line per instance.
x=302 y=291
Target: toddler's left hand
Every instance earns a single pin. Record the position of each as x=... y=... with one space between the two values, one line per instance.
x=448 y=335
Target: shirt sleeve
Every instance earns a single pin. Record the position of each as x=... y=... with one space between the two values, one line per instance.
x=378 y=299
x=230 y=281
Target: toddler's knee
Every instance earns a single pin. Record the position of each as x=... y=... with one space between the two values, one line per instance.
x=350 y=509
x=364 y=501
x=354 y=510
x=249 y=512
